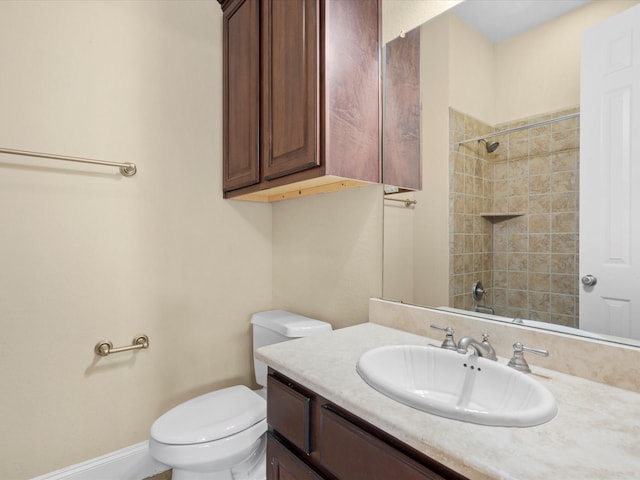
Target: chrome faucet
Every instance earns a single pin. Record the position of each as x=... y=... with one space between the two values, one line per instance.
x=481 y=349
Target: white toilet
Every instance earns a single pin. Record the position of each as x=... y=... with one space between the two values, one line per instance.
x=221 y=435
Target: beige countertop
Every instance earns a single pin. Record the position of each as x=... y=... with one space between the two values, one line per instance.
x=595 y=435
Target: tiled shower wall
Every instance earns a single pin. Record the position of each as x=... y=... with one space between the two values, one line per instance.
x=533 y=251
x=470 y=194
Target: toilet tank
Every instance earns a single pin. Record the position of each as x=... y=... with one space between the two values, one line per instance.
x=275 y=326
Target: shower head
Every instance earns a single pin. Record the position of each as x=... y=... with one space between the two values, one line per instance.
x=491 y=147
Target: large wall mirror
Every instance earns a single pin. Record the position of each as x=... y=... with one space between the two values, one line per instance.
x=495 y=228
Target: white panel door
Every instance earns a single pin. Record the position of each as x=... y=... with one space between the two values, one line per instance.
x=610 y=176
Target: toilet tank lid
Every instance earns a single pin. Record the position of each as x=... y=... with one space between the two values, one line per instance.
x=289 y=324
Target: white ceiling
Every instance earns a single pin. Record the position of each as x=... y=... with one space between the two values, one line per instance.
x=500 y=19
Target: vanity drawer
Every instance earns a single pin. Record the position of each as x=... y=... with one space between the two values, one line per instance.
x=349 y=452
x=289 y=412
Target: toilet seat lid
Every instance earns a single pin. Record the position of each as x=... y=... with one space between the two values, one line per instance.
x=211 y=416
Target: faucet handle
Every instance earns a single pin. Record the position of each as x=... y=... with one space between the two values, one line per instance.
x=518 y=362
x=491 y=353
x=449 y=343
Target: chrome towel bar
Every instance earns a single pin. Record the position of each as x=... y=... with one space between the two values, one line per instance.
x=126 y=169
x=105 y=347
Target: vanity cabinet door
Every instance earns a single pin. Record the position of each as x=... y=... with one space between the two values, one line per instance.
x=366 y=457
x=284 y=465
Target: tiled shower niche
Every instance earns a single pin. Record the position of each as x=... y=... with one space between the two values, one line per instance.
x=514 y=217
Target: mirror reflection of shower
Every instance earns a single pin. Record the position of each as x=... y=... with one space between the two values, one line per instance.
x=491 y=147
x=515 y=217
x=478 y=293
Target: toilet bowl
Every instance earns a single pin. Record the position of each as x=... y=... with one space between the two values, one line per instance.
x=210 y=434
x=221 y=435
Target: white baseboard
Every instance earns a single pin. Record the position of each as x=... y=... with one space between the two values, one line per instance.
x=130 y=463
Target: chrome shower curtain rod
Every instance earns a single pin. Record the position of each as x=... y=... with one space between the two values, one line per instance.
x=126 y=169
x=522 y=127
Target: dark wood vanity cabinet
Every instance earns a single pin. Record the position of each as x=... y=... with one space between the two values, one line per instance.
x=310 y=438
x=301 y=96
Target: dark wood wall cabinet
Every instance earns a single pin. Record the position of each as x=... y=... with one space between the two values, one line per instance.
x=402 y=111
x=310 y=438
x=301 y=110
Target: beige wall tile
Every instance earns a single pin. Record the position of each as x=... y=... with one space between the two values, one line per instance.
x=518 y=280
x=565 y=161
x=519 y=149
x=539 y=262
x=564 y=222
x=564 y=284
x=540 y=242
x=540 y=184
x=539 y=203
x=563 y=262
x=540 y=146
x=563 y=182
x=540 y=164
x=539 y=282
x=539 y=223
x=564 y=243
x=564 y=201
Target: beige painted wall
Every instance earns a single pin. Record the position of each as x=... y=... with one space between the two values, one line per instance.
x=398 y=249
x=539 y=70
x=471 y=74
x=404 y=15
x=89 y=255
x=431 y=228
x=535 y=72
x=327 y=254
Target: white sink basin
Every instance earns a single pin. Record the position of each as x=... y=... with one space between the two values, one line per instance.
x=458 y=386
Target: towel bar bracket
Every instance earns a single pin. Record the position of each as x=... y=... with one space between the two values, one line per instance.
x=129 y=170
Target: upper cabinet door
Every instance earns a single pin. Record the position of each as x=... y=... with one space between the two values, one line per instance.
x=401 y=159
x=241 y=111
x=351 y=88
x=290 y=90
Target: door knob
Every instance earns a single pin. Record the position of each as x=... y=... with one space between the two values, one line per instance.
x=589 y=280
